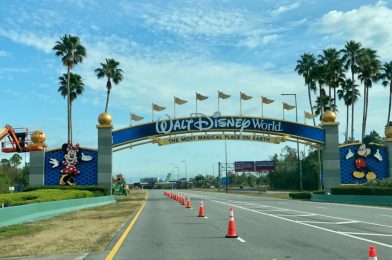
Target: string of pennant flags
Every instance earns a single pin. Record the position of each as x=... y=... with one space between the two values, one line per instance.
x=221 y=95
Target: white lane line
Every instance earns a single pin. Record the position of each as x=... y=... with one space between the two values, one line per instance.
x=389 y=216
x=329 y=223
x=299 y=215
x=268 y=210
x=314 y=202
x=368 y=234
x=304 y=212
x=322 y=207
x=241 y=240
x=309 y=225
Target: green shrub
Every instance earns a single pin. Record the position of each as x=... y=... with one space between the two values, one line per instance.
x=362 y=190
x=98 y=190
x=300 y=195
x=13 y=199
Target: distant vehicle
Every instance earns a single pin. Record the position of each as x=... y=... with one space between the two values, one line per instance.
x=155 y=186
x=212 y=187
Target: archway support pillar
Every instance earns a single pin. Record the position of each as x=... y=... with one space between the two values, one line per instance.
x=331 y=159
x=105 y=156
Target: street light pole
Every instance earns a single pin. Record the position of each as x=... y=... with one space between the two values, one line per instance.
x=178 y=173
x=186 y=173
x=226 y=184
x=296 y=120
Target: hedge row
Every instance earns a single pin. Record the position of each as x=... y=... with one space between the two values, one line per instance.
x=300 y=195
x=96 y=190
x=20 y=198
x=362 y=190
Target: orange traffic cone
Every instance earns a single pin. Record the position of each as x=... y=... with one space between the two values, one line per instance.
x=188 y=203
x=201 y=210
x=180 y=199
x=183 y=199
x=372 y=253
x=231 y=233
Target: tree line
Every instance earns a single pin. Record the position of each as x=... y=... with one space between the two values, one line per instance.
x=341 y=71
x=12 y=175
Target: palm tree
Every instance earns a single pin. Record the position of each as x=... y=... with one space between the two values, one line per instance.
x=111 y=71
x=346 y=93
x=324 y=103
x=333 y=70
x=306 y=67
x=369 y=70
x=319 y=75
x=76 y=88
x=72 y=53
x=386 y=76
x=351 y=52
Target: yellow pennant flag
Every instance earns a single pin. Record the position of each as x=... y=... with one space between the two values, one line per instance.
x=136 y=118
x=200 y=97
x=223 y=95
x=309 y=115
x=157 y=107
x=244 y=96
x=179 y=101
x=266 y=100
x=287 y=106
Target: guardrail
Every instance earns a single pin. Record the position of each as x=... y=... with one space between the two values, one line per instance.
x=36 y=211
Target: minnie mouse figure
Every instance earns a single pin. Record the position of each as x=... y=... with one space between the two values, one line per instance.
x=71 y=159
x=69 y=170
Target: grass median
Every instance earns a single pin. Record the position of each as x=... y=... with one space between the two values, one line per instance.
x=83 y=231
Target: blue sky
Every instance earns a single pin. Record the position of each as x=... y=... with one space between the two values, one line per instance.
x=175 y=48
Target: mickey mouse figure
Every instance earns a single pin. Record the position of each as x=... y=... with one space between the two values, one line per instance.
x=361 y=167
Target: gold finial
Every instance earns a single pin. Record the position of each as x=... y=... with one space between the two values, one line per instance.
x=329 y=116
x=105 y=119
x=38 y=137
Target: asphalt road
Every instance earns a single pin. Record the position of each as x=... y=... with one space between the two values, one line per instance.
x=268 y=229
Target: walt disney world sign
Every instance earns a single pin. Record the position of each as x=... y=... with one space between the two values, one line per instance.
x=217 y=123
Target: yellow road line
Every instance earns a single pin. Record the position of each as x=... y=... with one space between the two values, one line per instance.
x=116 y=247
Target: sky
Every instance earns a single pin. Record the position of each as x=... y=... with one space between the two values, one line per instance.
x=176 y=48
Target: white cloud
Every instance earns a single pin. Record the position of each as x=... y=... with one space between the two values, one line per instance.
x=41 y=42
x=284 y=8
x=258 y=40
x=369 y=24
x=196 y=19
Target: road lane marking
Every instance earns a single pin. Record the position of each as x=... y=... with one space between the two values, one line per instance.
x=299 y=215
x=389 y=216
x=241 y=240
x=309 y=225
x=368 y=234
x=329 y=223
x=116 y=247
x=322 y=207
x=269 y=210
x=314 y=202
x=344 y=219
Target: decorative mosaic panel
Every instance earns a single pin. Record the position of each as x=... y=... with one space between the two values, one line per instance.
x=360 y=163
x=88 y=169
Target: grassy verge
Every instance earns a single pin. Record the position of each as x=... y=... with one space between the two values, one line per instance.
x=84 y=231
